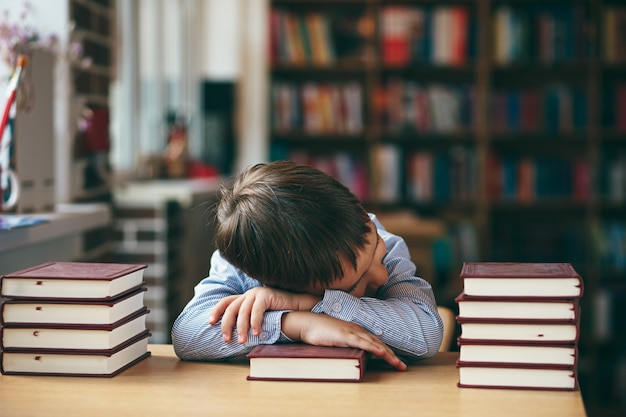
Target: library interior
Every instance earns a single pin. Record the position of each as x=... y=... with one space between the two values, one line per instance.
x=477 y=130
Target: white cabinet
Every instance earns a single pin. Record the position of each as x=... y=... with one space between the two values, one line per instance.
x=167 y=225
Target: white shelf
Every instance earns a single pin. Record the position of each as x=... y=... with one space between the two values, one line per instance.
x=58 y=239
x=182 y=191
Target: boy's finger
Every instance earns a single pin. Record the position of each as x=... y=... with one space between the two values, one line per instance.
x=256 y=317
x=219 y=308
x=383 y=351
x=243 y=319
x=228 y=319
x=394 y=361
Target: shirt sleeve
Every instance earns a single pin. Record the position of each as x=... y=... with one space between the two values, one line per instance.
x=194 y=338
x=404 y=312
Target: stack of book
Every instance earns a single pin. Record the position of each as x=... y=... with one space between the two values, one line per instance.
x=520 y=325
x=73 y=318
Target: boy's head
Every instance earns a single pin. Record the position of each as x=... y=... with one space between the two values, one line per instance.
x=290 y=225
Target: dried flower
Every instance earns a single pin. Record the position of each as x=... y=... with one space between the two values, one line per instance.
x=20 y=38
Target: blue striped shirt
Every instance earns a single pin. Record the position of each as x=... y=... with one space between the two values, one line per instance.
x=403 y=314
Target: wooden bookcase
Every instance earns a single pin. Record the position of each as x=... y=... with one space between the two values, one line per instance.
x=504 y=118
x=94 y=23
x=95 y=26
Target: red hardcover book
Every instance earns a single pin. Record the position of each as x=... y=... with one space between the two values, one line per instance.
x=582 y=180
x=521 y=279
x=307 y=363
x=274 y=36
x=527 y=113
x=37 y=336
x=494 y=179
x=85 y=362
x=75 y=312
x=520 y=308
x=531 y=331
x=395 y=32
x=72 y=280
x=460 y=19
x=513 y=376
x=526 y=180
x=423 y=115
x=520 y=353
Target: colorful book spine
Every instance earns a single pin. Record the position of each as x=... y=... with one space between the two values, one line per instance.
x=439 y=35
x=564 y=110
x=406 y=107
x=542 y=33
x=524 y=179
x=434 y=176
x=317 y=108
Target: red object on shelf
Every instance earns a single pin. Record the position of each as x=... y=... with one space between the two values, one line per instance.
x=198 y=169
x=97 y=132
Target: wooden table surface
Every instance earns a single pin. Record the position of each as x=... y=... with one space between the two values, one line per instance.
x=162 y=385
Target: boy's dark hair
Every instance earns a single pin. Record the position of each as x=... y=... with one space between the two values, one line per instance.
x=289 y=225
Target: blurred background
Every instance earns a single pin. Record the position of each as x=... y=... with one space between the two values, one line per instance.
x=479 y=130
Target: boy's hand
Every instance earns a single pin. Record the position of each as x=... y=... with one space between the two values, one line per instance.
x=246 y=310
x=323 y=330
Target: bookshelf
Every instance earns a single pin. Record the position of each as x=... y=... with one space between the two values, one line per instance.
x=94 y=25
x=503 y=118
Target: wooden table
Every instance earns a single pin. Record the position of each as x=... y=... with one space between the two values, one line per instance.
x=162 y=385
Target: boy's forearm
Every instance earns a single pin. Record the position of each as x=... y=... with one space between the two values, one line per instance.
x=194 y=338
x=410 y=325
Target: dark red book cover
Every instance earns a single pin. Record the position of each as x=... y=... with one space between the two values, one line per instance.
x=519 y=307
x=518 y=353
x=582 y=180
x=80 y=326
x=44 y=280
x=521 y=279
x=33 y=337
x=76 y=271
x=532 y=331
x=518 y=270
x=518 y=376
x=310 y=357
x=43 y=307
x=134 y=349
x=494 y=180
